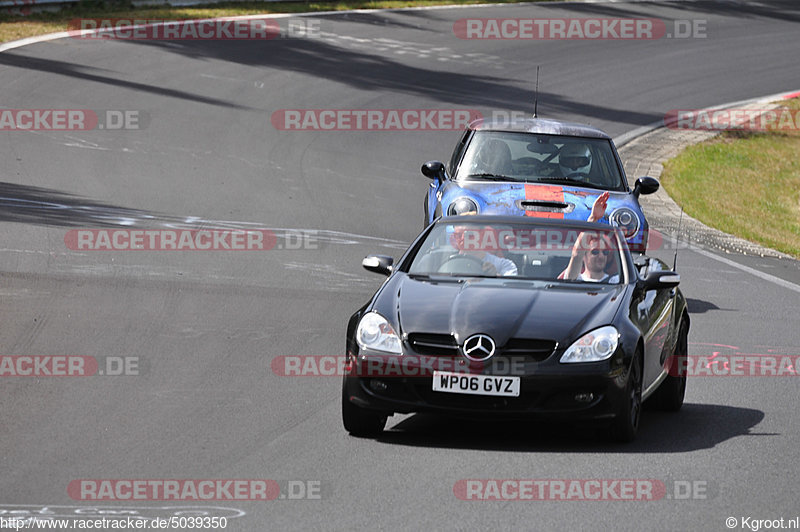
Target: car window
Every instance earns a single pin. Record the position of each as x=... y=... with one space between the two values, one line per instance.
x=527 y=251
x=537 y=158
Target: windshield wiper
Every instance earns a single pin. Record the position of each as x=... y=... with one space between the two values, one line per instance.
x=437 y=277
x=493 y=177
x=456 y=277
x=572 y=180
x=577 y=284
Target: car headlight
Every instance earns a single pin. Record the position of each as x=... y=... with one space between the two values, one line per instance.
x=625 y=219
x=375 y=333
x=462 y=205
x=593 y=346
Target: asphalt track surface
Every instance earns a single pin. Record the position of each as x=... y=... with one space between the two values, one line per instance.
x=205 y=326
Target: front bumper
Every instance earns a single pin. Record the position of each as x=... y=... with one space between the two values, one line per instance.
x=548 y=389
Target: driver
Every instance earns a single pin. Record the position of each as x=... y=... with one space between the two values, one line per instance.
x=575 y=160
x=465 y=238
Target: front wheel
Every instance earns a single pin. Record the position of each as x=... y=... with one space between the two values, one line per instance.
x=624 y=427
x=361 y=421
x=670 y=393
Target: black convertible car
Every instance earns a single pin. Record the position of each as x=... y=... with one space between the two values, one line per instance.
x=488 y=315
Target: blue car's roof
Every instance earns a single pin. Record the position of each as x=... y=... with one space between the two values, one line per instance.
x=543 y=126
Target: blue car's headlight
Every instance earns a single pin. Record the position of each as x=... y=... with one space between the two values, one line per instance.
x=462 y=205
x=375 y=333
x=626 y=219
x=593 y=346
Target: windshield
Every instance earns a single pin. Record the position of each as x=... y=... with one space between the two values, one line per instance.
x=522 y=251
x=537 y=158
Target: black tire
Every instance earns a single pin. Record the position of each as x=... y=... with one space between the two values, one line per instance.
x=360 y=421
x=670 y=393
x=625 y=426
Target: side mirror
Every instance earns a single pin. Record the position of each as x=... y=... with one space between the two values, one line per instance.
x=645 y=185
x=433 y=170
x=378 y=264
x=660 y=280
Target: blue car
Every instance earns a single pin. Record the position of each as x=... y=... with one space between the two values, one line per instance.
x=537 y=167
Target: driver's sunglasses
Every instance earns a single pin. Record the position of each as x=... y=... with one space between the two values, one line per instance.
x=575 y=161
x=605 y=252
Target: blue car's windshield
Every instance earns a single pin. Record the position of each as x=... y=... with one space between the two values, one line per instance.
x=538 y=158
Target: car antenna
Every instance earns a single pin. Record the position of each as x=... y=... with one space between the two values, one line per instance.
x=536 y=94
x=677 y=236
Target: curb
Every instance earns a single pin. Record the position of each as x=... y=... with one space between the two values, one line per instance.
x=643 y=150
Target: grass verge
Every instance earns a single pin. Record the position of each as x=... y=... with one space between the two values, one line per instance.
x=13 y=27
x=744 y=183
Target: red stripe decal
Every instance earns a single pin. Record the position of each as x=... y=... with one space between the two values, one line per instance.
x=544 y=193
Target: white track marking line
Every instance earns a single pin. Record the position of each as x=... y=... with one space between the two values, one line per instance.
x=761 y=275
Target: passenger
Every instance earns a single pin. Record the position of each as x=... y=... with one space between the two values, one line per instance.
x=591 y=251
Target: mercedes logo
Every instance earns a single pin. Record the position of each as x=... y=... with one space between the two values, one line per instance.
x=478 y=347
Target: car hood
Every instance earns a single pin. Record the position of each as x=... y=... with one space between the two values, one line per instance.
x=503 y=308
x=532 y=199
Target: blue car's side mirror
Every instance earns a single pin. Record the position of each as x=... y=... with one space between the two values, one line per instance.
x=645 y=185
x=433 y=170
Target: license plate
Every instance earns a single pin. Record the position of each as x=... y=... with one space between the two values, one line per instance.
x=444 y=381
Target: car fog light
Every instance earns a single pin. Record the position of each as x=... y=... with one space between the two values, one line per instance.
x=378 y=386
x=584 y=397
